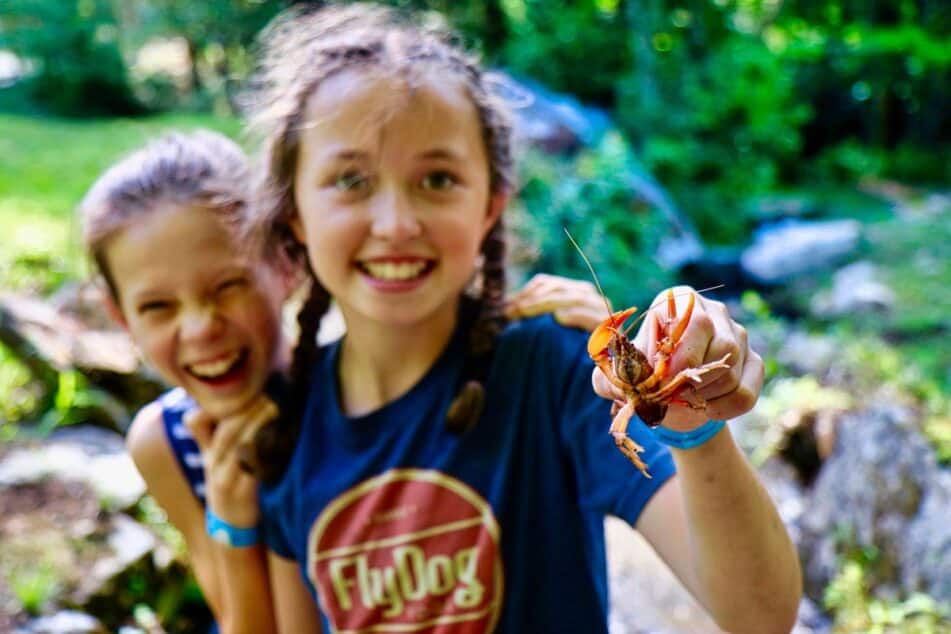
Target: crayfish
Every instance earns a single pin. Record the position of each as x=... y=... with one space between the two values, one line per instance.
x=647 y=389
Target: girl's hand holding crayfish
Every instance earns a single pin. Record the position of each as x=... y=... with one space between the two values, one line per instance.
x=691 y=342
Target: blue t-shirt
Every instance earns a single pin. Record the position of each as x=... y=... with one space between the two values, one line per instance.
x=175 y=404
x=399 y=523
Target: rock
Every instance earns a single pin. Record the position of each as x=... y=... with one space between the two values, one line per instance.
x=782 y=483
x=49 y=337
x=65 y=622
x=811 y=620
x=926 y=552
x=790 y=248
x=128 y=543
x=806 y=353
x=868 y=496
x=91 y=455
x=855 y=290
x=554 y=122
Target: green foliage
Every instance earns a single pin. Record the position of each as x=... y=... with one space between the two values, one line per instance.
x=46 y=166
x=847 y=596
x=717 y=124
x=75 y=48
x=34 y=586
x=19 y=394
x=217 y=36
x=783 y=395
x=554 y=42
x=590 y=196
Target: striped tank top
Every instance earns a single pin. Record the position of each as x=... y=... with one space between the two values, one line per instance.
x=175 y=404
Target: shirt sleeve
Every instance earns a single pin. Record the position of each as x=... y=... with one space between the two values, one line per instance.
x=607 y=481
x=273 y=529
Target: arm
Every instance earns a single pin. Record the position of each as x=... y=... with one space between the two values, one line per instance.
x=227 y=576
x=294 y=608
x=713 y=523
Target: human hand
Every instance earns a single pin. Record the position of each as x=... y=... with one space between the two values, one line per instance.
x=573 y=303
x=709 y=336
x=231 y=492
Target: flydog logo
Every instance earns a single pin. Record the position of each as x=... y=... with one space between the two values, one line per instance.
x=408 y=551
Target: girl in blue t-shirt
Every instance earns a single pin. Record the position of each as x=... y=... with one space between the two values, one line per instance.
x=205 y=313
x=437 y=469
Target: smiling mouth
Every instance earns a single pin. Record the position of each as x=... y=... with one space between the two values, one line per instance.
x=396 y=271
x=220 y=369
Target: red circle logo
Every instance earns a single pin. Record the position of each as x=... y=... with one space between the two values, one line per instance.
x=410 y=550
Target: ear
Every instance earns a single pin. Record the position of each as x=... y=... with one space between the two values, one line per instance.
x=114 y=311
x=297 y=227
x=497 y=204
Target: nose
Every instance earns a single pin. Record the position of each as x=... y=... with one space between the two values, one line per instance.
x=200 y=323
x=394 y=216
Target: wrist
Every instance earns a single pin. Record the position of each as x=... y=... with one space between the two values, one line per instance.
x=228 y=534
x=685 y=440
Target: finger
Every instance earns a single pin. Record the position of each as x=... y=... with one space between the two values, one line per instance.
x=604 y=388
x=232 y=428
x=540 y=282
x=226 y=436
x=719 y=383
x=582 y=317
x=537 y=289
x=691 y=349
x=656 y=320
x=201 y=426
x=743 y=398
x=266 y=412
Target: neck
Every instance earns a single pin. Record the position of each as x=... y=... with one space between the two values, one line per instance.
x=381 y=362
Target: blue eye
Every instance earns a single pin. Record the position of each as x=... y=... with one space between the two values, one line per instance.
x=439 y=181
x=351 y=181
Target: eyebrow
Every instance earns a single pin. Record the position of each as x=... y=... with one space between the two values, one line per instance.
x=347 y=154
x=344 y=155
x=445 y=154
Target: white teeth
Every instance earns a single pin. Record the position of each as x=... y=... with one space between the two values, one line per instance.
x=212 y=369
x=394 y=270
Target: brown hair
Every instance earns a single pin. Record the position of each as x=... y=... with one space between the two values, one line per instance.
x=302 y=48
x=196 y=168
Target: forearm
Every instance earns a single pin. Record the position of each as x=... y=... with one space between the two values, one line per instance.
x=747 y=569
x=244 y=589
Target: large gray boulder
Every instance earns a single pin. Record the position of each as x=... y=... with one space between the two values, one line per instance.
x=790 y=248
x=881 y=493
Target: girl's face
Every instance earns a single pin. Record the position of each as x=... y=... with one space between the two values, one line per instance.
x=392 y=192
x=203 y=315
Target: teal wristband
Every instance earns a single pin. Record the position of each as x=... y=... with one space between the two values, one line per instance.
x=224 y=533
x=688 y=439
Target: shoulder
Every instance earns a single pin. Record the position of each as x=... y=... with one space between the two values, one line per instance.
x=545 y=355
x=147 y=440
x=543 y=338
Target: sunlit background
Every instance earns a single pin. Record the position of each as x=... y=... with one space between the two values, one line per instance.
x=796 y=152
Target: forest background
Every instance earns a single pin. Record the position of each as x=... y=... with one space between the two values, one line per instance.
x=740 y=112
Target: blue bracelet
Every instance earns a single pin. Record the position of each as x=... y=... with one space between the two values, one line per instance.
x=688 y=439
x=224 y=533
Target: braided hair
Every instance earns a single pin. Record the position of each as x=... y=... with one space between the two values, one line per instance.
x=302 y=48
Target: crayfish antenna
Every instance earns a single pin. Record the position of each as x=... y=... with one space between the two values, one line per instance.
x=594 y=275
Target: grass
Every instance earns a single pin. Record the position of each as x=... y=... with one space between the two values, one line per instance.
x=46 y=165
